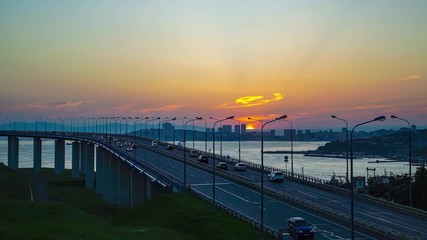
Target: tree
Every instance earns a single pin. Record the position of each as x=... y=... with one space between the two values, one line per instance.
x=419 y=190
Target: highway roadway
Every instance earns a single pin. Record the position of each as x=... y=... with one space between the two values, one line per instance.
x=247 y=201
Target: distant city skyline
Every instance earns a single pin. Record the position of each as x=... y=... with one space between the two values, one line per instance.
x=259 y=59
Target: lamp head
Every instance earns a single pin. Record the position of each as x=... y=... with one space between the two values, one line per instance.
x=173 y=119
x=282 y=117
x=230 y=117
x=380 y=119
x=393 y=116
x=199 y=118
x=333 y=116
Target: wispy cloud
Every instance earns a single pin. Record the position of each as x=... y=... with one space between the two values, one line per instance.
x=165 y=108
x=133 y=109
x=370 y=107
x=411 y=77
x=249 y=101
x=58 y=105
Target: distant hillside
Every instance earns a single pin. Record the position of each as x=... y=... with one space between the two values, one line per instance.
x=393 y=146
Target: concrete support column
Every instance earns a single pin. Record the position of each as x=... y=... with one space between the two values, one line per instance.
x=83 y=163
x=90 y=161
x=75 y=160
x=124 y=183
x=13 y=152
x=107 y=193
x=59 y=156
x=157 y=190
x=100 y=181
x=37 y=154
x=148 y=186
x=138 y=186
x=114 y=186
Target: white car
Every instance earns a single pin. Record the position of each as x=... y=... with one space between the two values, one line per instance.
x=275 y=176
x=154 y=144
x=240 y=167
x=193 y=153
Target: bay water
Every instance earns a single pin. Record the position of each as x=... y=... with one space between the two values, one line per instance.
x=321 y=167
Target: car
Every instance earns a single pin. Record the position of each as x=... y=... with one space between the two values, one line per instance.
x=193 y=153
x=119 y=144
x=129 y=149
x=154 y=144
x=275 y=176
x=203 y=158
x=169 y=147
x=222 y=165
x=299 y=228
x=134 y=146
x=240 y=167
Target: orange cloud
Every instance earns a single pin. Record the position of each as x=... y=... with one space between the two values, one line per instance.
x=368 y=107
x=411 y=77
x=64 y=104
x=165 y=108
x=249 y=101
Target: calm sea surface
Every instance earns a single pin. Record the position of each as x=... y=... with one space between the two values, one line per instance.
x=321 y=167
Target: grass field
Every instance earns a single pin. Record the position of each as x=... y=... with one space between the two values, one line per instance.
x=74 y=212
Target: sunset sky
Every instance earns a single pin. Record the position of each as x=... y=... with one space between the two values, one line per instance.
x=260 y=59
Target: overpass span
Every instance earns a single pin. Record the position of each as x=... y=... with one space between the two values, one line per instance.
x=239 y=192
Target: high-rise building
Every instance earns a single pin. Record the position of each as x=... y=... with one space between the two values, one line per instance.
x=226 y=129
x=243 y=128
x=236 y=129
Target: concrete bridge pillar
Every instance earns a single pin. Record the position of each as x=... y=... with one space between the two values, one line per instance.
x=157 y=190
x=13 y=152
x=90 y=161
x=148 y=186
x=124 y=184
x=100 y=158
x=107 y=193
x=138 y=188
x=75 y=160
x=83 y=149
x=114 y=186
x=37 y=154
x=59 y=156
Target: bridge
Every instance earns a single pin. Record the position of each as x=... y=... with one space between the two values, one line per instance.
x=129 y=177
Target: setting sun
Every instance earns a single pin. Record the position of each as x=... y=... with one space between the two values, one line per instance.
x=250 y=127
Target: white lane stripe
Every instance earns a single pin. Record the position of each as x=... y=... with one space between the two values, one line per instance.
x=209 y=184
x=234 y=195
x=307 y=194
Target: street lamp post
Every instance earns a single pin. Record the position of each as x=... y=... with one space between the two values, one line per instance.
x=240 y=130
x=292 y=148
x=379 y=119
x=213 y=157
x=409 y=156
x=206 y=136
x=262 y=168
x=185 y=150
x=346 y=143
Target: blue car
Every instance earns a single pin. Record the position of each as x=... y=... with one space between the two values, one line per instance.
x=299 y=228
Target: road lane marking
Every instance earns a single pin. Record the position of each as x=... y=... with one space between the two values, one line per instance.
x=209 y=184
x=235 y=195
x=307 y=194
